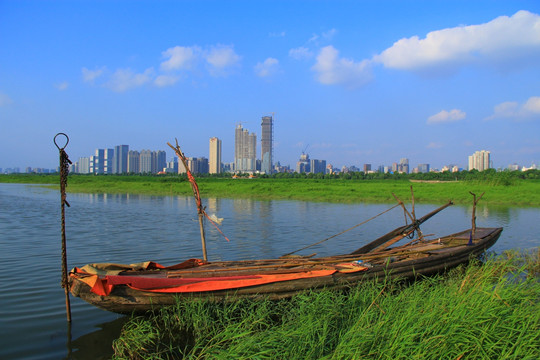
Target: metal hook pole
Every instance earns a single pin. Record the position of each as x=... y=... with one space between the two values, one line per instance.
x=64 y=170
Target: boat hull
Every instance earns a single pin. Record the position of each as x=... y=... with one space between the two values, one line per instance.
x=421 y=262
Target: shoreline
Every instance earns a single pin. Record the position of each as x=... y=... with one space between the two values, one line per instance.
x=524 y=193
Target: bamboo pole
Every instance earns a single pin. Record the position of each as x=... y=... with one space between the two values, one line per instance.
x=195 y=188
x=203 y=238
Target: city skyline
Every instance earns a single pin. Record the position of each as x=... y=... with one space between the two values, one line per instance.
x=355 y=82
x=105 y=161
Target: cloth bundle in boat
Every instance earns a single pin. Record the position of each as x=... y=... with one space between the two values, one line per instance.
x=105 y=284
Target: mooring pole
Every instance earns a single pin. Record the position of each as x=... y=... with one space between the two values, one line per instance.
x=64 y=170
x=473 y=225
x=196 y=194
x=203 y=239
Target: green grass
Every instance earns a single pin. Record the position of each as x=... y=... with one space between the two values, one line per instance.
x=483 y=311
x=519 y=192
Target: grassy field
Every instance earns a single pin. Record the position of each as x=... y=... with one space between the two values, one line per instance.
x=483 y=311
x=517 y=193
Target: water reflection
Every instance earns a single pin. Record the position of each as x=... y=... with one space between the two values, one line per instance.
x=96 y=344
x=133 y=228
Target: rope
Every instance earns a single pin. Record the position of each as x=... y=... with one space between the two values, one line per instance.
x=64 y=171
x=343 y=232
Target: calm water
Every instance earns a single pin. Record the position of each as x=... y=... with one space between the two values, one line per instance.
x=127 y=229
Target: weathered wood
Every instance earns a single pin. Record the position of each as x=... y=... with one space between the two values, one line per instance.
x=424 y=258
x=403 y=230
x=475 y=201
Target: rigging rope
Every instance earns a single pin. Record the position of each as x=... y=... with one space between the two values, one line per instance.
x=343 y=232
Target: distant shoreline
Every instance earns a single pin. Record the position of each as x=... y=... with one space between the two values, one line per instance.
x=518 y=193
x=432 y=181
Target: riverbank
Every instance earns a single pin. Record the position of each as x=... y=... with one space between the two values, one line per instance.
x=488 y=311
x=517 y=193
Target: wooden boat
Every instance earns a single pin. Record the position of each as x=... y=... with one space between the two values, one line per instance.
x=147 y=286
x=143 y=287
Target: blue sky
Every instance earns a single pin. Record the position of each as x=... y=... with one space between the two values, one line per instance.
x=354 y=82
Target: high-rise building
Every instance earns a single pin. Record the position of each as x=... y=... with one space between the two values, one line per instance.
x=83 y=165
x=303 y=165
x=423 y=168
x=97 y=162
x=159 y=161
x=404 y=165
x=367 y=168
x=120 y=159
x=134 y=161
x=267 y=144
x=145 y=164
x=108 y=161
x=480 y=160
x=318 y=166
x=172 y=165
x=245 y=150
x=215 y=156
x=198 y=165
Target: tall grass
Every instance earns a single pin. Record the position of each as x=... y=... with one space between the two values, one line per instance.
x=483 y=311
x=519 y=193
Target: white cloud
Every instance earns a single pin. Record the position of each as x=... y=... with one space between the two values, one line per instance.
x=166 y=80
x=333 y=70
x=5 y=100
x=512 y=109
x=220 y=58
x=62 y=86
x=502 y=39
x=125 y=79
x=532 y=106
x=277 y=34
x=434 y=145
x=328 y=35
x=313 y=38
x=300 y=53
x=176 y=61
x=180 y=57
x=447 y=116
x=91 y=75
x=267 y=68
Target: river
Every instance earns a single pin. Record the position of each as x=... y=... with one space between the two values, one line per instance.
x=134 y=228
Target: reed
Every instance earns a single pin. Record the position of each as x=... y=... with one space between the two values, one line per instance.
x=486 y=310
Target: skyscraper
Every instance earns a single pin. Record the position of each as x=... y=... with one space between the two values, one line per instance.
x=215 y=156
x=134 y=159
x=159 y=161
x=245 y=150
x=145 y=164
x=303 y=165
x=317 y=166
x=404 y=165
x=97 y=165
x=480 y=160
x=198 y=165
x=267 y=143
x=108 y=161
x=120 y=159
